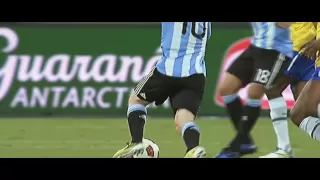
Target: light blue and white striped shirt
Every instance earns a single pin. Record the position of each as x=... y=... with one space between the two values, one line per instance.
x=268 y=35
x=183 y=47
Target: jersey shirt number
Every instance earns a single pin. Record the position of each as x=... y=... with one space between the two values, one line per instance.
x=193 y=30
x=262 y=76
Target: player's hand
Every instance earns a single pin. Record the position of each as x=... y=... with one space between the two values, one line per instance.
x=311 y=48
x=283 y=24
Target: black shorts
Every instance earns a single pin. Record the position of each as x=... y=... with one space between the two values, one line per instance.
x=184 y=93
x=262 y=66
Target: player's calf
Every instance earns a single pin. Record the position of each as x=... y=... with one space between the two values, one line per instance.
x=307 y=104
x=251 y=110
x=239 y=145
x=228 y=89
x=137 y=116
x=299 y=112
x=278 y=115
x=186 y=126
x=186 y=104
x=190 y=132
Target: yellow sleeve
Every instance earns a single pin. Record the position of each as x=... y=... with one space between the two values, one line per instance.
x=318 y=54
x=318 y=30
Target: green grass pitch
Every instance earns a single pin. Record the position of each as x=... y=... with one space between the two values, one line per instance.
x=87 y=138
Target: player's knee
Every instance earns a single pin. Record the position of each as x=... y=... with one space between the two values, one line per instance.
x=230 y=85
x=225 y=91
x=256 y=91
x=296 y=115
x=297 y=88
x=278 y=86
x=312 y=109
x=303 y=109
x=273 y=93
x=182 y=117
x=134 y=99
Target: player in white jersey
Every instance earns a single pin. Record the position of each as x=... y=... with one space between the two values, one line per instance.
x=179 y=76
x=262 y=66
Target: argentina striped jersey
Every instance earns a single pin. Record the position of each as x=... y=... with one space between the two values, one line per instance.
x=268 y=35
x=183 y=48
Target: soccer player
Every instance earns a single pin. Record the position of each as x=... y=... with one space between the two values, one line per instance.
x=300 y=70
x=306 y=112
x=261 y=65
x=179 y=76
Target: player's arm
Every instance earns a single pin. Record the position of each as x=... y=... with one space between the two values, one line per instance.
x=283 y=24
x=312 y=47
x=315 y=24
x=318 y=30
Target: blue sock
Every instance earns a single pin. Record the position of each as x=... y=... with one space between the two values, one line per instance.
x=191 y=135
x=230 y=98
x=254 y=103
x=137 y=116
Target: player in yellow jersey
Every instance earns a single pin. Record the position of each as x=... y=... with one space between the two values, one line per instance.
x=302 y=67
x=300 y=70
x=306 y=112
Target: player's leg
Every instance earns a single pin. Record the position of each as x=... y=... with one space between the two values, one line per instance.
x=251 y=113
x=296 y=88
x=228 y=90
x=306 y=112
x=268 y=65
x=300 y=70
x=274 y=65
x=278 y=115
x=237 y=76
x=148 y=90
x=136 y=115
x=186 y=103
x=266 y=69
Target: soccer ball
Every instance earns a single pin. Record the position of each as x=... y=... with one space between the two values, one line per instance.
x=150 y=150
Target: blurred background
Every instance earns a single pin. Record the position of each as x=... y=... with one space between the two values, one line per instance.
x=89 y=69
x=64 y=89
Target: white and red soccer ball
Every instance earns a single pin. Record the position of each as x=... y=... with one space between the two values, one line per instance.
x=150 y=150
